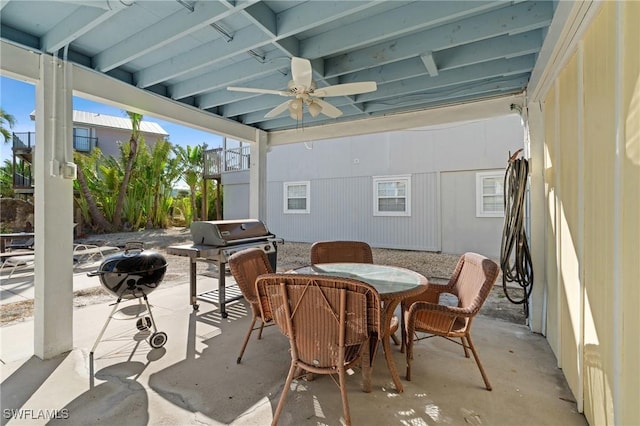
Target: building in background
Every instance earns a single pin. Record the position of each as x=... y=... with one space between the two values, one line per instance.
x=90 y=131
x=436 y=188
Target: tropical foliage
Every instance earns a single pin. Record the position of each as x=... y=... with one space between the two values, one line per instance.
x=136 y=190
x=7 y=121
x=6 y=179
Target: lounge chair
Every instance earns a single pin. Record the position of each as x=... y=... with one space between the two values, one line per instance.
x=17 y=262
x=83 y=253
x=20 y=244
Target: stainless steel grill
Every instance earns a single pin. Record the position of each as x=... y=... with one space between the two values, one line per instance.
x=214 y=242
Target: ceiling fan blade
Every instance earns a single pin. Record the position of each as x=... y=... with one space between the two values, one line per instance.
x=277 y=110
x=346 y=89
x=262 y=91
x=301 y=72
x=328 y=109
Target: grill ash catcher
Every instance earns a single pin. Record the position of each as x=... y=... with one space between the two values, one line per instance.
x=133 y=274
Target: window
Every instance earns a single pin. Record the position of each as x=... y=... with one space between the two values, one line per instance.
x=490 y=194
x=392 y=196
x=296 y=197
x=81 y=139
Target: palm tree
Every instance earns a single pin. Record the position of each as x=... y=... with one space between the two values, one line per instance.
x=192 y=163
x=6 y=179
x=86 y=166
x=10 y=121
x=136 y=119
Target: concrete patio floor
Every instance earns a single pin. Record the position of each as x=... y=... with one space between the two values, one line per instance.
x=194 y=378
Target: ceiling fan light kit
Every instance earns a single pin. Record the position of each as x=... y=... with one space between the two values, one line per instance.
x=304 y=89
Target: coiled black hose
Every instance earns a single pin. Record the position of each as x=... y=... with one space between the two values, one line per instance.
x=515 y=257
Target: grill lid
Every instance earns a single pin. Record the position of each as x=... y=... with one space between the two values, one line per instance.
x=133 y=273
x=224 y=232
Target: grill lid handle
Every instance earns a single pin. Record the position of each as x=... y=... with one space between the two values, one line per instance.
x=133 y=246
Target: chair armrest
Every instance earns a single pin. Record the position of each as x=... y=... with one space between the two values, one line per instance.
x=431 y=294
x=434 y=318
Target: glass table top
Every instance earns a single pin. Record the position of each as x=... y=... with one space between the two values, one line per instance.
x=385 y=279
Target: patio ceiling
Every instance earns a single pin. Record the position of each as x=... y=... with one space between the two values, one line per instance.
x=421 y=54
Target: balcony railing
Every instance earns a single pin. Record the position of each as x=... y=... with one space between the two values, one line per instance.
x=27 y=140
x=219 y=160
x=24 y=140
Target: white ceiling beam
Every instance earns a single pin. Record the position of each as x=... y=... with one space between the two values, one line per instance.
x=466 y=31
x=307 y=16
x=80 y=22
x=470 y=74
x=102 y=88
x=429 y=64
x=246 y=39
x=19 y=63
x=408 y=19
x=454 y=94
x=231 y=75
x=166 y=31
x=469 y=111
x=569 y=23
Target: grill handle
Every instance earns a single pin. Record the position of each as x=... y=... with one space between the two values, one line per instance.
x=133 y=246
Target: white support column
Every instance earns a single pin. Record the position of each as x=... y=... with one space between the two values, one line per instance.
x=258 y=177
x=53 y=317
x=538 y=302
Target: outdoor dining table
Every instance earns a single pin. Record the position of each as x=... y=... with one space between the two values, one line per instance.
x=394 y=284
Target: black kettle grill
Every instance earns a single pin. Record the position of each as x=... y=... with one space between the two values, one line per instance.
x=133 y=274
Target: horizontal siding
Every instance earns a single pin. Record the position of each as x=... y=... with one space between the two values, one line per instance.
x=342 y=208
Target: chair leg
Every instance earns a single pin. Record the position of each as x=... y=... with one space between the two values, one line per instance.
x=395 y=339
x=343 y=393
x=464 y=346
x=475 y=356
x=409 y=355
x=403 y=330
x=285 y=391
x=260 y=332
x=246 y=339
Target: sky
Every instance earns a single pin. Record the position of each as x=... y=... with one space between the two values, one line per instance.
x=18 y=99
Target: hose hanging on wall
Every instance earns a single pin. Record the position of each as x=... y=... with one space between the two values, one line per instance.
x=515 y=257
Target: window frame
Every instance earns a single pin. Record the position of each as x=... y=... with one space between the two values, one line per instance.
x=285 y=197
x=406 y=179
x=480 y=195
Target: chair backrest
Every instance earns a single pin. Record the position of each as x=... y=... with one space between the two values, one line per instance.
x=341 y=251
x=246 y=266
x=472 y=280
x=321 y=315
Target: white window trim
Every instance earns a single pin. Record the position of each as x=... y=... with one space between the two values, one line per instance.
x=285 y=197
x=480 y=176
x=378 y=179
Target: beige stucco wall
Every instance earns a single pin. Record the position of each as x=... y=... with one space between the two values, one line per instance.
x=592 y=181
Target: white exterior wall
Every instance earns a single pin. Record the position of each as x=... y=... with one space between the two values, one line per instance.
x=442 y=161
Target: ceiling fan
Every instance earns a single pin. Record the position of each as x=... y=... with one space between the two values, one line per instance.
x=305 y=93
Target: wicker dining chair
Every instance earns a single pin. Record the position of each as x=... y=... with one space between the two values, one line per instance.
x=471 y=283
x=341 y=251
x=332 y=323
x=246 y=266
x=347 y=251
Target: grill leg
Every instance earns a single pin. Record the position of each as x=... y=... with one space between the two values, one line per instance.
x=222 y=296
x=104 y=328
x=153 y=321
